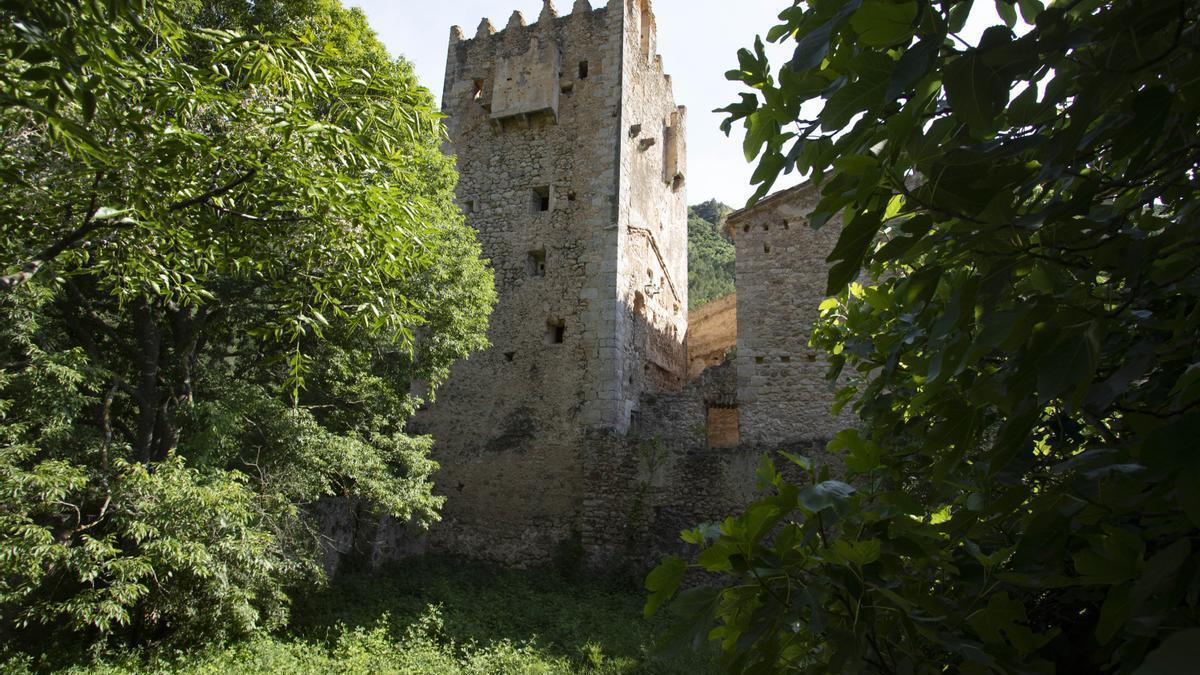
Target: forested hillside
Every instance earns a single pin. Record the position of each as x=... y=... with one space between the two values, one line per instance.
x=710 y=253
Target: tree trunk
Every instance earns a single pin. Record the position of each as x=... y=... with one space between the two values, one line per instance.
x=149 y=347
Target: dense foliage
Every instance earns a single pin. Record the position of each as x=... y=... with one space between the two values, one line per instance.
x=433 y=617
x=232 y=255
x=711 y=269
x=1018 y=310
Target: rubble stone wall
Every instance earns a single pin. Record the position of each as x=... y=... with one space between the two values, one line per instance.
x=585 y=225
x=782 y=390
x=712 y=332
x=581 y=426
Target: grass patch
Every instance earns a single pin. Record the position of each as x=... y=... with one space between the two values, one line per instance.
x=442 y=616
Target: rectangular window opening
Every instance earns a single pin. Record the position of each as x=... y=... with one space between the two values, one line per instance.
x=541 y=199
x=536 y=265
x=556 y=332
x=722 y=427
x=477 y=92
x=583 y=70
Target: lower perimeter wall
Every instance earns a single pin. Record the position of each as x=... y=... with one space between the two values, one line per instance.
x=639 y=491
x=663 y=478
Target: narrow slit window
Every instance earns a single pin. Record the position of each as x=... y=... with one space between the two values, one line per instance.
x=541 y=199
x=556 y=332
x=477 y=92
x=537 y=263
x=583 y=70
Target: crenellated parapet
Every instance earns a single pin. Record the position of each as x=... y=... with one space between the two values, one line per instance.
x=519 y=72
x=547 y=17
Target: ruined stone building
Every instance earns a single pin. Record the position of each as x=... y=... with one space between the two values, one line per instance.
x=587 y=425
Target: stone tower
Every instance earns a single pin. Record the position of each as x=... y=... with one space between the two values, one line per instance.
x=572 y=158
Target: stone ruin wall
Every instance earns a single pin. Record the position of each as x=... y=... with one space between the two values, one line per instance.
x=712 y=332
x=652 y=269
x=783 y=395
x=580 y=426
x=510 y=421
x=679 y=467
x=585 y=226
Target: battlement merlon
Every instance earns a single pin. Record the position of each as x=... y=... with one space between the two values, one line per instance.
x=521 y=72
x=640 y=11
x=517 y=20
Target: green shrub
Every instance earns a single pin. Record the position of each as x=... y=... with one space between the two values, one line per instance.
x=432 y=617
x=224 y=262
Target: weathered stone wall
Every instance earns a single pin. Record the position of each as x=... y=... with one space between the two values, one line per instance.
x=652 y=268
x=663 y=477
x=585 y=225
x=582 y=424
x=712 y=332
x=781 y=277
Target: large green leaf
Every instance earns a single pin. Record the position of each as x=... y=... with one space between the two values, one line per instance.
x=977 y=92
x=825 y=495
x=1179 y=653
x=852 y=246
x=813 y=46
x=664 y=582
x=883 y=24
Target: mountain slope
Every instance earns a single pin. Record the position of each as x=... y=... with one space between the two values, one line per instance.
x=710 y=254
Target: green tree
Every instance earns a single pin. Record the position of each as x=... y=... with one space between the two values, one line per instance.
x=1017 y=302
x=711 y=258
x=232 y=253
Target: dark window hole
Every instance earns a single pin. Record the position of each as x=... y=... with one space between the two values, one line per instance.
x=536 y=264
x=556 y=332
x=541 y=199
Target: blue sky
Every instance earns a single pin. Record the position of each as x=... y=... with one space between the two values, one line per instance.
x=698 y=40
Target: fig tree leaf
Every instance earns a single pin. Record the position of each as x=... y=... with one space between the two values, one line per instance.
x=977 y=92
x=882 y=24
x=1177 y=654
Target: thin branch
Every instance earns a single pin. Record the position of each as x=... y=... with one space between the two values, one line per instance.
x=259 y=219
x=214 y=193
x=32 y=267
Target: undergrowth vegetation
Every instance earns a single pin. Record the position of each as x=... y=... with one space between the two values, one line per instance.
x=432 y=617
